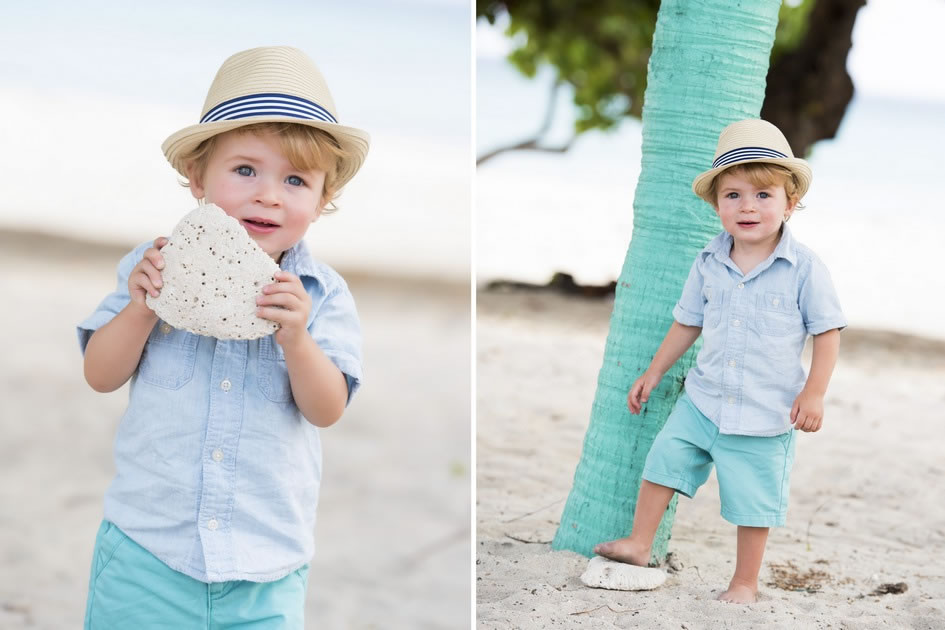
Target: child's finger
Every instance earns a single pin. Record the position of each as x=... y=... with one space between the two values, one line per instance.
x=149 y=270
x=632 y=401
x=285 y=276
x=794 y=409
x=284 y=287
x=154 y=257
x=284 y=299
x=160 y=242
x=140 y=280
x=274 y=314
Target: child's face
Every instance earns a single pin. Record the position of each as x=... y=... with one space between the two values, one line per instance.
x=752 y=215
x=250 y=178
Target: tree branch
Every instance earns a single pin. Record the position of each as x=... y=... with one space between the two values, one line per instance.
x=532 y=143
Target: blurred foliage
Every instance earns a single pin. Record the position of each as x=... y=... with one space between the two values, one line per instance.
x=792 y=25
x=601 y=48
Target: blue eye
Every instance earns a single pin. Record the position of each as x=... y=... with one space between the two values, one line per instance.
x=244 y=170
x=295 y=180
x=763 y=195
x=732 y=195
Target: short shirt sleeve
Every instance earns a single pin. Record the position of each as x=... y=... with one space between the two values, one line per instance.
x=691 y=305
x=114 y=302
x=336 y=329
x=818 y=301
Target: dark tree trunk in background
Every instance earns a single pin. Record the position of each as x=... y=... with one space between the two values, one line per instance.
x=809 y=88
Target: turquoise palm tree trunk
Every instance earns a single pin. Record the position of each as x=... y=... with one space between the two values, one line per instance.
x=707 y=69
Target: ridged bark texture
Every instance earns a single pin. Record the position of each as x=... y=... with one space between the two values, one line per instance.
x=707 y=70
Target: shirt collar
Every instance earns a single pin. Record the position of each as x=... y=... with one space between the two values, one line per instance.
x=298 y=260
x=721 y=247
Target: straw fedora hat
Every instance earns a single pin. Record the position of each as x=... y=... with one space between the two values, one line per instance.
x=753 y=140
x=271 y=84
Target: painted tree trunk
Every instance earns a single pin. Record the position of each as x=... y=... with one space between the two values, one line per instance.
x=707 y=69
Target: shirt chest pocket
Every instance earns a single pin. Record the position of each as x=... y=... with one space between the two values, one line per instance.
x=777 y=315
x=271 y=371
x=714 y=298
x=168 y=357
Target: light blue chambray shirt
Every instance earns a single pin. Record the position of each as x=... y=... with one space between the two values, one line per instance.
x=754 y=326
x=217 y=472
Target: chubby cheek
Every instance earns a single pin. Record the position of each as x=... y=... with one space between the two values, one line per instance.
x=227 y=210
x=223 y=202
x=725 y=215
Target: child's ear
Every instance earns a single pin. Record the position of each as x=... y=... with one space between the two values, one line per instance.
x=194 y=183
x=318 y=209
x=323 y=203
x=792 y=204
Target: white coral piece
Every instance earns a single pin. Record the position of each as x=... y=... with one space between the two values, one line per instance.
x=213 y=271
x=618 y=576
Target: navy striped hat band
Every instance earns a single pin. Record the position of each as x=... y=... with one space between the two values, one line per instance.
x=746 y=153
x=268 y=104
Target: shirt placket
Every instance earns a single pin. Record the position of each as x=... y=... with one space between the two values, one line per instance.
x=224 y=418
x=733 y=372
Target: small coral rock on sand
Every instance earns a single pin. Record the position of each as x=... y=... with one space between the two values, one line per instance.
x=618 y=576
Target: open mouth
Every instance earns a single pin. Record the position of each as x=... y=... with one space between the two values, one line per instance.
x=259 y=225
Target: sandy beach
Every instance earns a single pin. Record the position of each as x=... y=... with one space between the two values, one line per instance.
x=393 y=533
x=866 y=490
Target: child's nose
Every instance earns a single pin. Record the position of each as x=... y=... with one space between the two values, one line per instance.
x=267 y=193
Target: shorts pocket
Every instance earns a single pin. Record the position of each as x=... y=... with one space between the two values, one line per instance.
x=302 y=574
x=109 y=540
x=272 y=375
x=777 y=315
x=168 y=357
x=107 y=544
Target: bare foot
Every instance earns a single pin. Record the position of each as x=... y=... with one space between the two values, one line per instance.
x=739 y=594
x=624 y=550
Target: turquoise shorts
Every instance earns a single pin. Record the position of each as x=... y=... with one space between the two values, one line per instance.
x=130 y=588
x=754 y=472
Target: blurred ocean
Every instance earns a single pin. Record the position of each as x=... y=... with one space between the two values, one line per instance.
x=874 y=214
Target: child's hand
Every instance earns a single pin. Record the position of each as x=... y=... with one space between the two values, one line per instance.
x=145 y=278
x=640 y=391
x=287 y=303
x=807 y=414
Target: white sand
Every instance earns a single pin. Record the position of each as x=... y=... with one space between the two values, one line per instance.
x=866 y=492
x=393 y=530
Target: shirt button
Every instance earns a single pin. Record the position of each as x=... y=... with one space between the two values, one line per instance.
x=226 y=385
x=166 y=328
x=731 y=401
x=775 y=301
x=731 y=363
x=736 y=323
x=217 y=455
x=212 y=524
x=741 y=285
